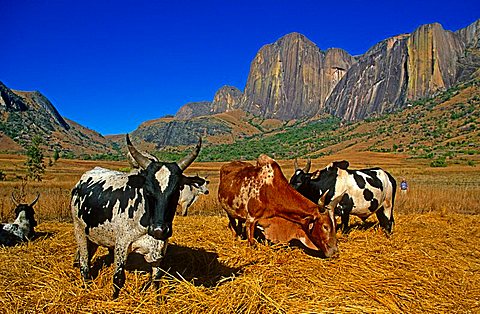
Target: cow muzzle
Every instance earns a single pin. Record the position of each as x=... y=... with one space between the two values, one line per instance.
x=160 y=232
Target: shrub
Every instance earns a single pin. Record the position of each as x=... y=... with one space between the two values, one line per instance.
x=440 y=162
x=34 y=163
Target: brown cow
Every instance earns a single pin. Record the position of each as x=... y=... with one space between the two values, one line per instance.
x=261 y=195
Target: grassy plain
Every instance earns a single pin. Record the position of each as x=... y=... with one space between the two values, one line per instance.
x=430 y=264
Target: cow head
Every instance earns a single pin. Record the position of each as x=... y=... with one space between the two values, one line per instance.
x=301 y=177
x=321 y=228
x=199 y=183
x=25 y=216
x=161 y=184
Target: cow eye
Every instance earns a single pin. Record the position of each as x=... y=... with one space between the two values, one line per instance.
x=326 y=228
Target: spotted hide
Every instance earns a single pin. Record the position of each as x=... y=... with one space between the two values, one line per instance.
x=260 y=196
x=191 y=188
x=127 y=212
x=368 y=191
x=22 y=229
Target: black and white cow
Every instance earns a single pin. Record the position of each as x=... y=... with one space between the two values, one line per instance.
x=367 y=191
x=127 y=212
x=191 y=188
x=22 y=229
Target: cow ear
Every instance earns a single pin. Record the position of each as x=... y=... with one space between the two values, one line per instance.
x=136 y=181
x=341 y=164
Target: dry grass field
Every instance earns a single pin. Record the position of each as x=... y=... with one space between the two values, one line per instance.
x=430 y=264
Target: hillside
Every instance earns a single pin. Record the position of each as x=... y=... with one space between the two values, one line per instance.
x=443 y=128
x=24 y=115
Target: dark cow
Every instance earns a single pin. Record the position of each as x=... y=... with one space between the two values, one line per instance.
x=368 y=191
x=260 y=195
x=127 y=212
x=190 y=189
x=22 y=229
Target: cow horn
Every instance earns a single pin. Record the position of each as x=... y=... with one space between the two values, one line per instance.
x=321 y=202
x=307 y=167
x=142 y=161
x=35 y=200
x=185 y=162
x=337 y=200
x=295 y=164
x=14 y=200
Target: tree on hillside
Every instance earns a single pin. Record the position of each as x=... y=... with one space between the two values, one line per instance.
x=56 y=155
x=34 y=163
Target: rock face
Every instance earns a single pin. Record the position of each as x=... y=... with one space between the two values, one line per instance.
x=9 y=101
x=400 y=69
x=227 y=98
x=432 y=60
x=375 y=84
x=174 y=132
x=193 y=109
x=292 y=78
x=469 y=63
x=471 y=34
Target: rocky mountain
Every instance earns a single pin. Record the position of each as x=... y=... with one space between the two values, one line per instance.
x=194 y=109
x=290 y=81
x=293 y=79
x=227 y=98
x=24 y=115
x=403 y=69
x=218 y=128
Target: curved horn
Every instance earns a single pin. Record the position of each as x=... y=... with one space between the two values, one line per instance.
x=185 y=162
x=14 y=200
x=295 y=164
x=321 y=202
x=35 y=200
x=307 y=167
x=142 y=161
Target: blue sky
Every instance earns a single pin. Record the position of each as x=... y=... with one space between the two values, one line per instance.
x=110 y=65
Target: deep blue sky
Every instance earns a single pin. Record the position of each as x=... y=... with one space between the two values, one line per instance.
x=110 y=65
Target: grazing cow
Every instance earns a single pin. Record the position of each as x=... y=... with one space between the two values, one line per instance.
x=368 y=191
x=127 y=211
x=260 y=195
x=22 y=229
x=191 y=188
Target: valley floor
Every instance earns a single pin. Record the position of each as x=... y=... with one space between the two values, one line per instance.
x=430 y=264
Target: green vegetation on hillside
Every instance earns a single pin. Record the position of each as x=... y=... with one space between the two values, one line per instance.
x=289 y=142
x=443 y=129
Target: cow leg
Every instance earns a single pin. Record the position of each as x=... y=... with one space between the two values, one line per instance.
x=250 y=229
x=185 y=209
x=91 y=248
x=345 y=221
x=236 y=228
x=83 y=257
x=121 y=252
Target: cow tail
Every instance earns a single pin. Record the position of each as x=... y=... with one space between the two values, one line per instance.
x=394 y=192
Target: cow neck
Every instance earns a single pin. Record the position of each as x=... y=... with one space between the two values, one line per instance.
x=291 y=205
